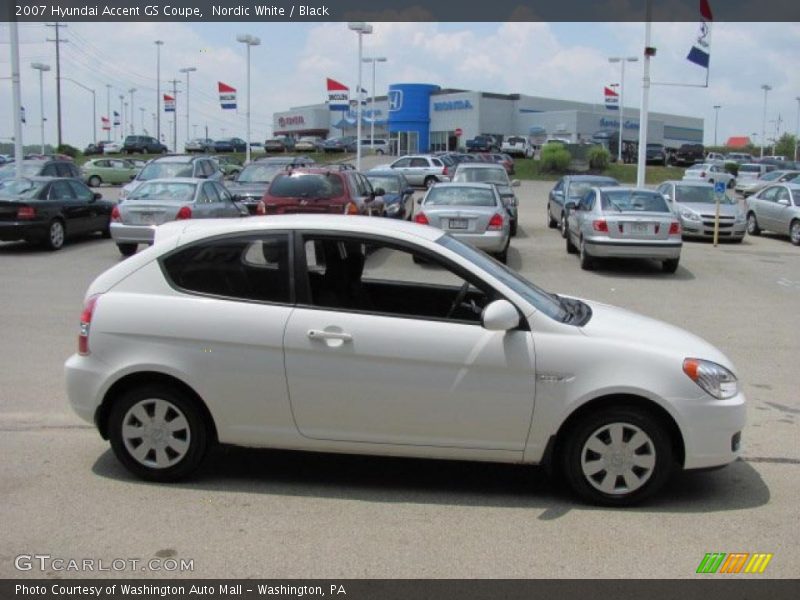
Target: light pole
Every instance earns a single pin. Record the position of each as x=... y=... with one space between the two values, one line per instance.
x=649 y=52
x=797 y=131
x=158 y=44
x=716 y=121
x=94 y=105
x=248 y=40
x=142 y=111
x=108 y=110
x=361 y=29
x=372 y=103
x=41 y=67
x=122 y=117
x=133 y=127
x=766 y=89
x=621 y=60
x=187 y=70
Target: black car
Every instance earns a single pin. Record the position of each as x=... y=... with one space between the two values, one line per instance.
x=93 y=149
x=230 y=145
x=41 y=168
x=143 y=144
x=47 y=210
x=656 y=154
x=689 y=154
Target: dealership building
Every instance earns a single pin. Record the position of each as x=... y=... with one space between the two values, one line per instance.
x=424 y=117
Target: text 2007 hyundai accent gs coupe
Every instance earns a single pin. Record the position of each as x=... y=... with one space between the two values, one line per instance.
x=324 y=333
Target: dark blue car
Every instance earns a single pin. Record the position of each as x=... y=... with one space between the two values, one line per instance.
x=398 y=199
x=230 y=145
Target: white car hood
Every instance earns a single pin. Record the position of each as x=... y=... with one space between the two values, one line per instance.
x=624 y=326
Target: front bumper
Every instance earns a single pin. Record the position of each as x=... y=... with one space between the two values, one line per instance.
x=712 y=431
x=634 y=249
x=705 y=229
x=132 y=234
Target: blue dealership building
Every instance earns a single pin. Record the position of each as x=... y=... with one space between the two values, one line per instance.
x=421 y=117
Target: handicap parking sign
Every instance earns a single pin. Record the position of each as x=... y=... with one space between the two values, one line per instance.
x=719 y=187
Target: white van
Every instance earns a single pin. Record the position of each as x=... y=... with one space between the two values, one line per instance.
x=375 y=146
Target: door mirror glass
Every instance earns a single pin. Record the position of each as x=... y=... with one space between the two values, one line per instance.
x=379 y=191
x=500 y=315
x=515 y=183
x=96 y=196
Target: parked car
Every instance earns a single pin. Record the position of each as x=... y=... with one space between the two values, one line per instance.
x=143 y=144
x=333 y=190
x=94 y=149
x=496 y=175
x=620 y=222
x=471 y=212
x=740 y=157
x=279 y=144
x=287 y=161
x=777 y=209
x=695 y=204
x=503 y=159
x=483 y=143
x=656 y=154
x=233 y=144
x=199 y=145
x=714 y=157
x=308 y=144
x=751 y=186
x=689 y=154
x=229 y=166
x=178 y=165
x=158 y=201
x=421 y=169
x=113 y=171
x=375 y=146
x=48 y=210
x=41 y=168
x=710 y=173
x=398 y=195
x=517 y=145
x=340 y=144
x=251 y=184
x=747 y=174
x=112 y=148
x=571 y=187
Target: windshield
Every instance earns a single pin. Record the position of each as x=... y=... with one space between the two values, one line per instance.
x=749 y=168
x=516 y=140
x=20 y=188
x=306 y=185
x=29 y=169
x=771 y=176
x=460 y=196
x=259 y=173
x=634 y=201
x=164 y=191
x=165 y=170
x=547 y=303
x=481 y=175
x=390 y=185
x=578 y=189
x=699 y=167
x=699 y=195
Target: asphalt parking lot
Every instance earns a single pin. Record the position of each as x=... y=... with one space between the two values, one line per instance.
x=263 y=513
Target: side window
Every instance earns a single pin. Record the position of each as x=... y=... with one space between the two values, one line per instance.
x=419 y=162
x=49 y=170
x=202 y=196
x=344 y=273
x=587 y=202
x=559 y=186
x=211 y=192
x=401 y=163
x=769 y=194
x=81 y=192
x=783 y=194
x=61 y=190
x=223 y=194
x=251 y=268
x=102 y=164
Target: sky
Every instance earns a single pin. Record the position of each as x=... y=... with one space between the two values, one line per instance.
x=559 y=60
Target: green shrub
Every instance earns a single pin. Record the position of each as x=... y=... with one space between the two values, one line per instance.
x=555 y=158
x=732 y=168
x=599 y=158
x=68 y=150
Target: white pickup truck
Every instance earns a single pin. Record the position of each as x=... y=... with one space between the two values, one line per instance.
x=517 y=145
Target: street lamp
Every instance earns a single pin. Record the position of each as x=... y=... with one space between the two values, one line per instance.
x=716 y=121
x=133 y=127
x=372 y=103
x=142 y=110
x=41 y=67
x=158 y=44
x=621 y=60
x=187 y=70
x=94 y=105
x=797 y=132
x=766 y=89
x=248 y=40
x=122 y=117
x=361 y=29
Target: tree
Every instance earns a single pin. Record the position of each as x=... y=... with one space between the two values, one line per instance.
x=785 y=146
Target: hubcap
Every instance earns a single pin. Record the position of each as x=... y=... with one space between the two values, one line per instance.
x=56 y=234
x=796 y=232
x=618 y=458
x=156 y=433
x=751 y=223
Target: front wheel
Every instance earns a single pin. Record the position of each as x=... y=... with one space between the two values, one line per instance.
x=551 y=222
x=94 y=181
x=562 y=225
x=158 y=433
x=127 y=249
x=794 y=232
x=618 y=456
x=752 y=224
x=571 y=249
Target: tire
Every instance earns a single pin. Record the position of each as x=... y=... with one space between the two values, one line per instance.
x=513 y=227
x=752 y=224
x=641 y=466
x=94 y=181
x=430 y=182
x=571 y=249
x=106 y=231
x=670 y=265
x=127 y=249
x=731 y=184
x=562 y=225
x=794 y=232
x=158 y=433
x=56 y=235
x=379 y=152
x=587 y=262
x=503 y=256
x=551 y=222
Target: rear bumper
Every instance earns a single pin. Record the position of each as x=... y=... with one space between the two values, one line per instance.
x=491 y=241
x=132 y=234
x=634 y=249
x=11 y=231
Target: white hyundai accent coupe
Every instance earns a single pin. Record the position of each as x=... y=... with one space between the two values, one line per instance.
x=324 y=333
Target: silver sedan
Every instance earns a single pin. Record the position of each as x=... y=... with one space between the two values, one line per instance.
x=695 y=205
x=623 y=223
x=155 y=202
x=776 y=208
x=471 y=212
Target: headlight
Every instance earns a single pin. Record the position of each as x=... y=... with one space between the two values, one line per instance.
x=715 y=379
x=689 y=215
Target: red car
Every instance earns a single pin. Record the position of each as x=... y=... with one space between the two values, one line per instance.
x=338 y=189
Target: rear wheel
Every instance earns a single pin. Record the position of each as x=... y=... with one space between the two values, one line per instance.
x=571 y=249
x=587 y=262
x=430 y=181
x=752 y=224
x=94 y=181
x=670 y=265
x=563 y=225
x=56 y=234
x=794 y=232
x=551 y=222
x=503 y=256
x=127 y=249
x=513 y=227
x=617 y=456
x=731 y=184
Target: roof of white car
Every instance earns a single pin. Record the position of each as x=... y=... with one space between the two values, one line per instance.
x=690 y=183
x=480 y=165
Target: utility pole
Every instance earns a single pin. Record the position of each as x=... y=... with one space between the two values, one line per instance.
x=16 y=100
x=108 y=110
x=121 y=117
x=175 y=83
x=716 y=121
x=158 y=44
x=133 y=119
x=58 y=41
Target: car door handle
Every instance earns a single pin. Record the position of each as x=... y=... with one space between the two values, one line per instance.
x=318 y=334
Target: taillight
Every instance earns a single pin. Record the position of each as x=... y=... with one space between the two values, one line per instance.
x=600 y=225
x=351 y=208
x=496 y=222
x=702 y=173
x=26 y=213
x=184 y=213
x=445 y=171
x=86 y=321
x=674 y=228
x=115 y=216
x=421 y=218
x=261 y=208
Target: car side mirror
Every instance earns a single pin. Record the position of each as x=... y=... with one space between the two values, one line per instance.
x=571 y=205
x=408 y=191
x=667 y=197
x=379 y=192
x=515 y=183
x=500 y=315
x=96 y=196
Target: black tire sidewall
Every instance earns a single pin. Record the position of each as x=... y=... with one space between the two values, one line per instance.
x=198 y=433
